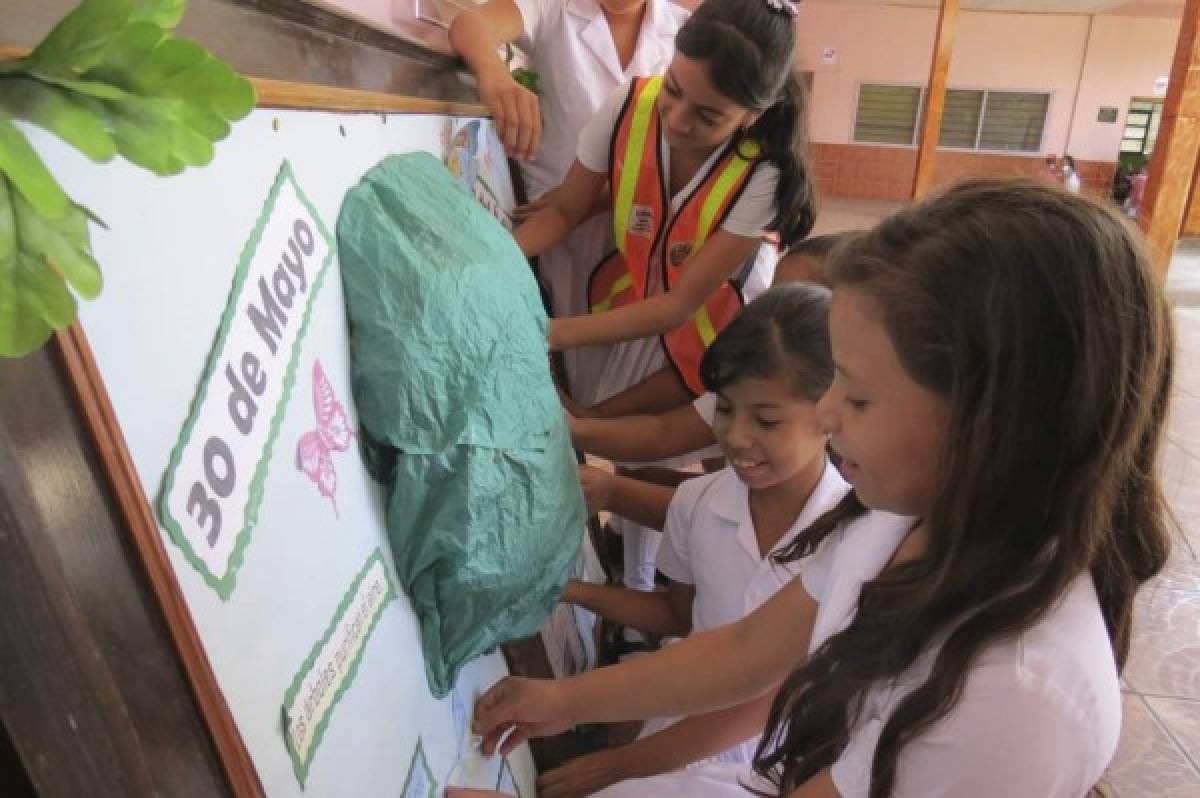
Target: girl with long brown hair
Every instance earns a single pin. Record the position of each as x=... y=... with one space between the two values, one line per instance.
x=1004 y=359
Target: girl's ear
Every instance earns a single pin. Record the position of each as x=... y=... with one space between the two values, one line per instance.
x=751 y=119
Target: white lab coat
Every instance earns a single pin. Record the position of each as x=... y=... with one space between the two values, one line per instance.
x=571 y=48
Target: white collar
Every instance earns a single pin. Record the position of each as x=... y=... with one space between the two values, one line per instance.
x=730 y=500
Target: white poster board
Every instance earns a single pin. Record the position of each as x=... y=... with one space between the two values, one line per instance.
x=295 y=598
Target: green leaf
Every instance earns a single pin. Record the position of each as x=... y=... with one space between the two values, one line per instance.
x=164 y=13
x=20 y=162
x=40 y=304
x=175 y=68
x=55 y=110
x=86 y=88
x=152 y=133
x=80 y=39
x=62 y=244
x=8 y=224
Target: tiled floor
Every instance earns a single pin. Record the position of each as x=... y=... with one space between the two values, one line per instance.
x=1159 y=755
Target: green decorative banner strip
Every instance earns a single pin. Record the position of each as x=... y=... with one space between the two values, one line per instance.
x=420 y=782
x=214 y=483
x=333 y=662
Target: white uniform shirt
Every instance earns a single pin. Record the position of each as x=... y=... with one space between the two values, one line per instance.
x=1039 y=715
x=571 y=48
x=706 y=407
x=709 y=542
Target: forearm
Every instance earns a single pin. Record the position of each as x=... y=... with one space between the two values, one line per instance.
x=701 y=673
x=648 y=611
x=693 y=739
x=652 y=316
x=708 y=671
x=545 y=229
x=477 y=42
x=640 y=501
x=636 y=439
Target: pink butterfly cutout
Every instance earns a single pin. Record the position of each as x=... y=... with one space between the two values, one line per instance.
x=314 y=452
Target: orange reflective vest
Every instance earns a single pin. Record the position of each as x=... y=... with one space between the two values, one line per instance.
x=642 y=221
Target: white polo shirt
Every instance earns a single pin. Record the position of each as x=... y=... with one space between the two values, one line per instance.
x=709 y=542
x=706 y=407
x=1039 y=715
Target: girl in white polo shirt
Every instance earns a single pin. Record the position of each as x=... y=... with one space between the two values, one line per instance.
x=767 y=370
x=1004 y=360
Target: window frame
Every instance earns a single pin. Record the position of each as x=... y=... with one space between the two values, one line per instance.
x=1050 y=95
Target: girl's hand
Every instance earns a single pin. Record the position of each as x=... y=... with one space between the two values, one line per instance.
x=515 y=110
x=526 y=707
x=583 y=775
x=597 y=487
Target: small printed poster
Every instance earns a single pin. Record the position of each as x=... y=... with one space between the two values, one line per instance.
x=475 y=156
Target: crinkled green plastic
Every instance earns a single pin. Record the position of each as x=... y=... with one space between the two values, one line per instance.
x=459 y=416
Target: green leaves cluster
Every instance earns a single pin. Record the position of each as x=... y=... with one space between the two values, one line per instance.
x=110 y=79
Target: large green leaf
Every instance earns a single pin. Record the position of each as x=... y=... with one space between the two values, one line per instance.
x=21 y=163
x=35 y=257
x=33 y=299
x=164 y=13
x=62 y=244
x=80 y=39
x=109 y=78
x=55 y=110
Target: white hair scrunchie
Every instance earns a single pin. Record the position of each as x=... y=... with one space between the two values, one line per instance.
x=789 y=7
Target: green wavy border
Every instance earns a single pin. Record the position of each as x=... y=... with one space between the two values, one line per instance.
x=299 y=767
x=412 y=766
x=223 y=585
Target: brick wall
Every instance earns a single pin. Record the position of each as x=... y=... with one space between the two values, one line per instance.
x=855 y=171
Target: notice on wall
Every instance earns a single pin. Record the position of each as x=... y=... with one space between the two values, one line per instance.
x=214 y=483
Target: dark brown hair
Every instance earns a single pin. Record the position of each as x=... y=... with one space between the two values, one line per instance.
x=1035 y=314
x=749 y=48
x=784 y=332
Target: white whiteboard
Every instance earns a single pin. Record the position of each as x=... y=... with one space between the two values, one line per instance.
x=169 y=257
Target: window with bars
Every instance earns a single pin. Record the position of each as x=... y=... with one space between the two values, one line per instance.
x=972 y=119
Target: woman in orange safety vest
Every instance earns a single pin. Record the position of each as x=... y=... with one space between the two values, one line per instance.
x=701 y=164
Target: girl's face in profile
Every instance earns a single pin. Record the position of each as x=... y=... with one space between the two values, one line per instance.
x=887 y=428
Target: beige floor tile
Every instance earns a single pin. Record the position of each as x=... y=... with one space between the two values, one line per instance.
x=1148 y=762
x=1164 y=658
x=1182 y=720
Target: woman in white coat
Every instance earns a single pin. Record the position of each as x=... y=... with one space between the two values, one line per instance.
x=582 y=50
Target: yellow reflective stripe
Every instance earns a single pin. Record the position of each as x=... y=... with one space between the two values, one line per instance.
x=726 y=182
x=704 y=326
x=631 y=168
x=623 y=282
